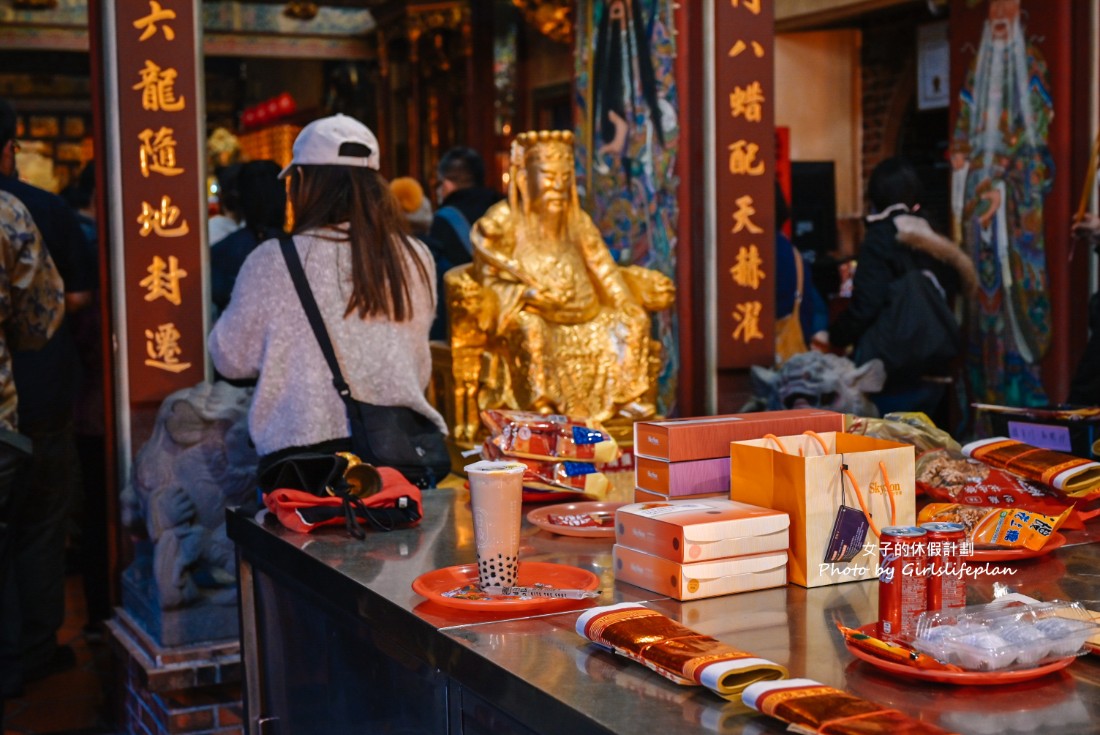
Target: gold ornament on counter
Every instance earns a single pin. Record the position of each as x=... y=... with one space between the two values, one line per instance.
x=544 y=319
x=362 y=478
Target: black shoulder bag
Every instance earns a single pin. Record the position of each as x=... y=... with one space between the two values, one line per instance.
x=385 y=436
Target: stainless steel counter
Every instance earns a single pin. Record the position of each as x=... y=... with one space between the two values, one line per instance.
x=334 y=635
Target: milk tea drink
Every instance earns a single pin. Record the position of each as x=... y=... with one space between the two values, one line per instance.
x=496 y=497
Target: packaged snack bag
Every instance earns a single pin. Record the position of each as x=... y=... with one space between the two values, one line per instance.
x=579 y=477
x=892 y=651
x=674 y=651
x=1075 y=476
x=530 y=435
x=996 y=527
x=952 y=477
x=907 y=427
x=812 y=707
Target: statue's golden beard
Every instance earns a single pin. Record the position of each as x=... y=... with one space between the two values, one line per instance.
x=545 y=207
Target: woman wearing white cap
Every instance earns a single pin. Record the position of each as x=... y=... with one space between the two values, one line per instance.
x=374 y=286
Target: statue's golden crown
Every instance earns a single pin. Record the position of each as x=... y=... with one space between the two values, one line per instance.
x=542 y=144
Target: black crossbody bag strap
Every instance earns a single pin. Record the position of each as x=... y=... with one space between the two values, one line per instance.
x=398 y=416
x=309 y=305
x=313 y=314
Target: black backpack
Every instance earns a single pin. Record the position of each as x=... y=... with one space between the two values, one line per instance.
x=915 y=334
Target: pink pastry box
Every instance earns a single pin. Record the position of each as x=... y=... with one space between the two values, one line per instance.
x=703 y=578
x=695 y=477
x=701 y=529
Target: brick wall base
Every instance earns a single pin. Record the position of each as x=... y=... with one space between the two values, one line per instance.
x=194 y=689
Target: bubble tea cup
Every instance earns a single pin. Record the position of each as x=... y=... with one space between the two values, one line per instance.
x=496 y=497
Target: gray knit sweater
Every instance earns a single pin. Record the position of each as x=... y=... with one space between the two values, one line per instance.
x=264 y=333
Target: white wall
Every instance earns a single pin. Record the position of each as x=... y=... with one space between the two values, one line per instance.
x=818 y=96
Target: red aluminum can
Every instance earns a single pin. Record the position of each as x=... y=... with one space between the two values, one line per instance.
x=946 y=584
x=902 y=586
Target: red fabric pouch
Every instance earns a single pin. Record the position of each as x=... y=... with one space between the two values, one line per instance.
x=396 y=505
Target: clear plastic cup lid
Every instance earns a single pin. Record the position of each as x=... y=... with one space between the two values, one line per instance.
x=487 y=466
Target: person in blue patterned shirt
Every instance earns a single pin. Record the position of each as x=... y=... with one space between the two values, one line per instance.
x=32 y=296
x=32 y=303
x=47 y=380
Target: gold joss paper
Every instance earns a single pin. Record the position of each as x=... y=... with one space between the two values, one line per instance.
x=677 y=653
x=811 y=707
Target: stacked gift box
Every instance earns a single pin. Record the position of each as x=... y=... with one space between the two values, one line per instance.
x=703 y=548
x=690 y=458
x=684 y=537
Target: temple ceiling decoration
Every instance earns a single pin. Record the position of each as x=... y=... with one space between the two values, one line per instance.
x=552 y=18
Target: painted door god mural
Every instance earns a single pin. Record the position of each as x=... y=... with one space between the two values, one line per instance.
x=1002 y=172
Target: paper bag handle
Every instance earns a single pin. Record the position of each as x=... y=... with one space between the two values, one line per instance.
x=863 y=505
x=775 y=439
x=801 y=452
x=818 y=439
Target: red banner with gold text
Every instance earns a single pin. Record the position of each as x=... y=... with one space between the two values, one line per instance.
x=744 y=168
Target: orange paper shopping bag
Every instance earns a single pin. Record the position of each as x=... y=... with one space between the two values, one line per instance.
x=837 y=489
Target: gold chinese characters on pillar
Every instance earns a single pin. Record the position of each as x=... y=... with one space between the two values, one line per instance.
x=160 y=170
x=745 y=181
x=544 y=319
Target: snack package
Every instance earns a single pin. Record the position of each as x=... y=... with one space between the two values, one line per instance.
x=952 y=477
x=809 y=706
x=892 y=651
x=530 y=435
x=909 y=427
x=1012 y=632
x=578 y=477
x=598 y=519
x=1075 y=476
x=996 y=527
x=674 y=651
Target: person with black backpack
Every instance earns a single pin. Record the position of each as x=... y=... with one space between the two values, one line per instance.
x=906 y=279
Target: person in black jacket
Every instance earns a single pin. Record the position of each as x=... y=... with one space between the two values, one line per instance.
x=262 y=198
x=1084 y=390
x=463 y=198
x=897 y=240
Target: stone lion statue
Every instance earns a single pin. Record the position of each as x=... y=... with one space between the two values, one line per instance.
x=198 y=462
x=818 y=380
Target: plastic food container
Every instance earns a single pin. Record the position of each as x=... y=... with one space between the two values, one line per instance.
x=1014 y=632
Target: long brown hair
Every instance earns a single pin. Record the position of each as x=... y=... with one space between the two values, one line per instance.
x=323 y=196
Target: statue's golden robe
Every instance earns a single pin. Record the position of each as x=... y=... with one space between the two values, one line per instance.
x=544 y=319
x=583 y=348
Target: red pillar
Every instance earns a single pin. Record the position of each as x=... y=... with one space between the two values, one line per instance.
x=690 y=266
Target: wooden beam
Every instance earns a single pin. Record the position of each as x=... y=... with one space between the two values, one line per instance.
x=801 y=15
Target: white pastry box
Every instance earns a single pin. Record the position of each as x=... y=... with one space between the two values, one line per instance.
x=689 y=531
x=700 y=579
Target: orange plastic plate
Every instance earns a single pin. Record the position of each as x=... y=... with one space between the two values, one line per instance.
x=434 y=585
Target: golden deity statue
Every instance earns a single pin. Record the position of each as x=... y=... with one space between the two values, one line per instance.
x=544 y=319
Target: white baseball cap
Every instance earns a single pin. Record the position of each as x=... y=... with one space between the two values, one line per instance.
x=334 y=141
